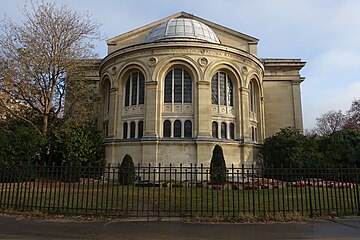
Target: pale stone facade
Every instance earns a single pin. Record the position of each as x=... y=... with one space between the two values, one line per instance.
x=173 y=89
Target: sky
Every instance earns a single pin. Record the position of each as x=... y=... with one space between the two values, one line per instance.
x=324 y=33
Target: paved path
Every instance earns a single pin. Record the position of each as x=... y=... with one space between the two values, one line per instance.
x=22 y=228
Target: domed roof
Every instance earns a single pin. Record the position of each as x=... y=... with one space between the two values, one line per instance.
x=182 y=28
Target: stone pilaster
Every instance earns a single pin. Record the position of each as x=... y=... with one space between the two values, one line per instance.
x=244 y=124
x=204 y=110
x=151 y=111
x=298 y=123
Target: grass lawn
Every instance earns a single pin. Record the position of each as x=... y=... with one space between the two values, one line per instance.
x=108 y=198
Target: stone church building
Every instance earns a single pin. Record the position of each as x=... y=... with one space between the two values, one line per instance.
x=173 y=89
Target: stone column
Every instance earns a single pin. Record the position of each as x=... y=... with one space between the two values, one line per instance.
x=113 y=111
x=151 y=111
x=244 y=122
x=204 y=110
x=149 y=139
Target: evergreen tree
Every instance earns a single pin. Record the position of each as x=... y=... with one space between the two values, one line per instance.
x=217 y=166
x=127 y=171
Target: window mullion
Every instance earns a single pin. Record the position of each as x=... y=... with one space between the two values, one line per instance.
x=137 y=88
x=130 y=93
x=182 y=86
x=172 y=88
x=219 y=91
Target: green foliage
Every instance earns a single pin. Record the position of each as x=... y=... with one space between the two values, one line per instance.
x=341 y=148
x=290 y=148
x=20 y=142
x=217 y=166
x=127 y=171
x=17 y=172
x=79 y=144
x=285 y=148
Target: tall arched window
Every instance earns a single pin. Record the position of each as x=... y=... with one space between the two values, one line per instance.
x=254 y=134
x=214 y=127
x=232 y=131
x=178 y=86
x=132 y=130
x=106 y=96
x=134 y=89
x=140 y=129
x=167 y=128
x=177 y=129
x=222 y=89
x=125 y=130
x=188 y=129
x=223 y=130
x=252 y=97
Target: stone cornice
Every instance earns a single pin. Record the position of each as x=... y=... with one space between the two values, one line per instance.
x=181 y=47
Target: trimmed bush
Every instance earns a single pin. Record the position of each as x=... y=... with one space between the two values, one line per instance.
x=127 y=171
x=217 y=166
x=12 y=172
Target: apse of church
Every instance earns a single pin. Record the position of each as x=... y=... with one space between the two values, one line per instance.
x=173 y=89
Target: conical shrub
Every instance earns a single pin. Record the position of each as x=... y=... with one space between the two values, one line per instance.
x=127 y=171
x=217 y=166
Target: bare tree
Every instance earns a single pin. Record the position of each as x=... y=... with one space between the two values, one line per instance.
x=353 y=116
x=330 y=122
x=41 y=56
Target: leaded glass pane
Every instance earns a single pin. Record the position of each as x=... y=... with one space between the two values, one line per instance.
x=214 y=90
x=125 y=130
x=177 y=85
x=141 y=88
x=252 y=134
x=222 y=88
x=214 y=127
x=223 y=130
x=229 y=92
x=132 y=130
x=168 y=88
x=134 y=88
x=251 y=95
x=177 y=129
x=140 y=129
x=188 y=129
x=167 y=128
x=127 y=92
x=187 y=88
x=232 y=131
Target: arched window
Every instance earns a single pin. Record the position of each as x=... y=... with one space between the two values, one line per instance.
x=222 y=89
x=140 y=129
x=188 y=129
x=167 y=128
x=132 y=130
x=252 y=97
x=125 y=130
x=178 y=86
x=106 y=96
x=177 y=129
x=253 y=134
x=223 y=130
x=214 y=127
x=134 y=89
x=232 y=131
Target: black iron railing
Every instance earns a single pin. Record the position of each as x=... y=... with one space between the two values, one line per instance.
x=180 y=191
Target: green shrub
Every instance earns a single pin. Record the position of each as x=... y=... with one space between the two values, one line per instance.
x=127 y=171
x=19 y=142
x=79 y=144
x=217 y=166
x=14 y=172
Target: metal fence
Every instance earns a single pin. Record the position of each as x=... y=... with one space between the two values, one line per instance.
x=179 y=191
